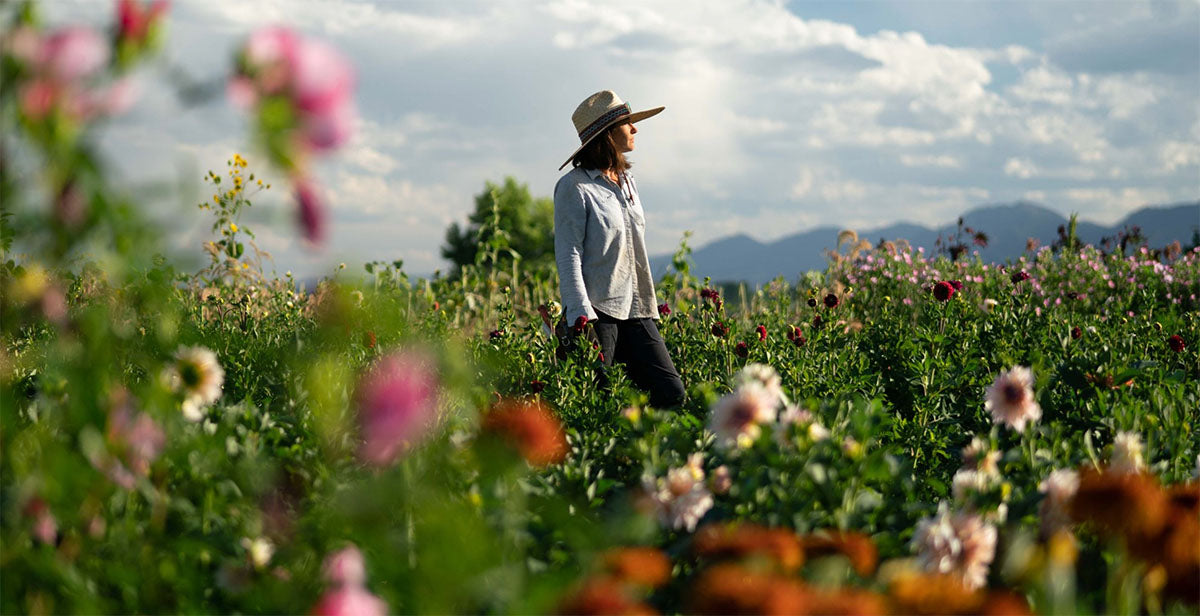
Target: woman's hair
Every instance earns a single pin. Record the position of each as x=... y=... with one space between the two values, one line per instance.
x=601 y=153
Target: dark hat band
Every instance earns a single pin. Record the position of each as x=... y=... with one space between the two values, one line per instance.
x=602 y=122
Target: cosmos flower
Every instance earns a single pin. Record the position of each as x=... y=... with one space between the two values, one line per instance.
x=1010 y=399
x=397 y=401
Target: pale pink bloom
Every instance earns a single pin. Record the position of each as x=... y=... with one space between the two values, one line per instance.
x=1010 y=399
x=328 y=130
x=1059 y=487
x=397 y=406
x=345 y=567
x=1127 y=453
x=764 y=376
x=72 y=54
x=960 y=544
x=45 y=527
x=681 y=498
x=737 y=417
x=721 y=480
x=349 y=600
x=322 y=79
x=980 y=456
x=140 y=437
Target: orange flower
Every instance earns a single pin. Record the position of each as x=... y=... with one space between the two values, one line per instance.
x=1176 y=549
x=602 y=595
x=641 y=566
x=856 y=546
x=847 y=602
x=933 y=594
x=732 y=589
x=737 y=541
x=1005 y=603
x=1131 y=505
x=531 y=428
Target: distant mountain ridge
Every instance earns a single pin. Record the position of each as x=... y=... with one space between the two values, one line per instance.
x=740 y=257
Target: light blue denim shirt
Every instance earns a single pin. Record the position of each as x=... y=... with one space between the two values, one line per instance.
x=600 y=248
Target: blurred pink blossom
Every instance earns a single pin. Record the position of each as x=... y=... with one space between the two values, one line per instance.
x=345 y=567
x=311 y=211
x=349 y=601
x=134 y=18
x=73 y=54
x=397 y=406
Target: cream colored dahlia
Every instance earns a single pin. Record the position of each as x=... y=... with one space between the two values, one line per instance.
x=1127 y=453
x=1059 y=487
x=1010 y=399
x=737 y=418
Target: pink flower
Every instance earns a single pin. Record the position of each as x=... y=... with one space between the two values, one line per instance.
x=397 y=406
x=345 y=567
x=311 y=212
x=72 y=54
x=960 y=544
x=1010 y=399
x=349 y=601
x=134 y=19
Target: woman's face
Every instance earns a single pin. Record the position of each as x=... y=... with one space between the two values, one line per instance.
x=623 y=137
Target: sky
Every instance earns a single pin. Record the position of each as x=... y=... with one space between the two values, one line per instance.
x=780 y=116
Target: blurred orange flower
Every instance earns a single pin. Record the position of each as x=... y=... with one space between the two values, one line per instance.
x=739 y=541
x=531 y=428
x=855 y=546
x=641 y=566
x=733 y=589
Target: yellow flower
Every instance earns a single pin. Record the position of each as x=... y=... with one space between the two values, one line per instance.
x=245 y=266
x=233 y=227
x=216 y=198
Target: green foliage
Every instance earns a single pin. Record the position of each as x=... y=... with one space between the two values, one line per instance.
x=507 y=224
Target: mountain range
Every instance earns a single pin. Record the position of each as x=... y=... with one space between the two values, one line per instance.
x=741 y=258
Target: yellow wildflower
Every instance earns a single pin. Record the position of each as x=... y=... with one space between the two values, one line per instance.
x=233 y=227
x=245 y=266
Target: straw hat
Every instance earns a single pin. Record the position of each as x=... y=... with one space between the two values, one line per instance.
x=600 y=111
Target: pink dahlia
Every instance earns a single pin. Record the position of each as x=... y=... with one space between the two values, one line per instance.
x=737 y=418
x=397 y=406
x=1010 y=399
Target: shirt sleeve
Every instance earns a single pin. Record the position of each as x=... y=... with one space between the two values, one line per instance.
x=570 y=228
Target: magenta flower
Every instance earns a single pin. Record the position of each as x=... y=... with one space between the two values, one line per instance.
x=311 y=212
x=943 y=291
x=397 y=406
x=135 y=19
x=664 y=309
x=957 y=284
x=762 y=332
x=349 y=601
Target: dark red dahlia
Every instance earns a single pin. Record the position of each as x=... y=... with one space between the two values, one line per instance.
x=719 y=329
x=1076 y=333
x=957 y=284
x=817 y=322
x=1020 y=276
x=580 y=323
x=537 y=386
x=742 y=350
x=496 y=334
x=943 y=291
x=664 y=309
x=831 y=301
x=812 y=302
x=1176 y=343
x=762 y=332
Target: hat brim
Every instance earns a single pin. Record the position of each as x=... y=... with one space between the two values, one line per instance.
x=631 y=118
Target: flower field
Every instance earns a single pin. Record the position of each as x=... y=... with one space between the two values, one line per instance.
x=899 y=433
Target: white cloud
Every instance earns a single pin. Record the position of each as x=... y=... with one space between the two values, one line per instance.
x=1020 y=167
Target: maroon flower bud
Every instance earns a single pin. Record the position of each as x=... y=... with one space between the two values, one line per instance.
x=664 y=309
x=717 y=303
x=831 y=301
x=537 y=386
x=742 y=350
x=579 y=323
x=496 y=334
x=817 y=322
x=719 y=329
x=1020 y=276
x=797 y=337
x=943 y=291
x=1176 y=343
x=812 y=302
x=1076 y=333
x=957 y=284
x=762 y=332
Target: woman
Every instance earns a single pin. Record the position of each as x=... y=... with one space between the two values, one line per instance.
x=603 y=270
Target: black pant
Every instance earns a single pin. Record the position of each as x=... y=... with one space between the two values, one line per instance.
x=637 y=344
